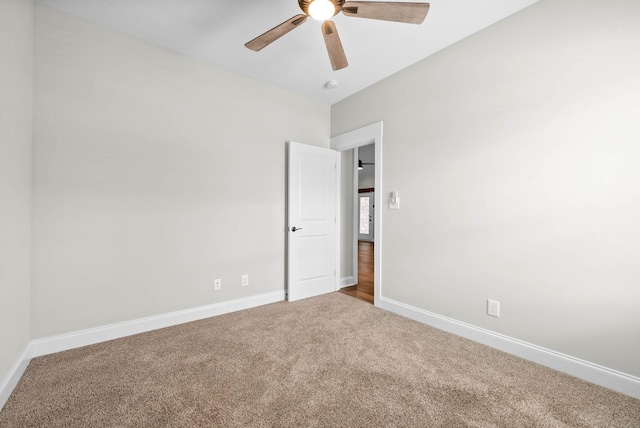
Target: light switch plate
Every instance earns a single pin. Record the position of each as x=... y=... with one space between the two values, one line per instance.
x=394 y=201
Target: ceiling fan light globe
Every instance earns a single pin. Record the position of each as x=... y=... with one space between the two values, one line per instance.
x=322 y=9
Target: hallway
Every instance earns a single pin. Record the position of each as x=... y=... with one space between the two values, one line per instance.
x=363 y=290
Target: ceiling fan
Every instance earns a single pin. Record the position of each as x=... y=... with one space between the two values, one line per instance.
x=323 y=10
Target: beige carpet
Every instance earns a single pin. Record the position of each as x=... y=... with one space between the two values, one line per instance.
x=330 y=361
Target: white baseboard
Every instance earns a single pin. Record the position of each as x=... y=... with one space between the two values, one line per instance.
x=13 y=377
x=63 y=342
x=603 y=376
x=347 y=281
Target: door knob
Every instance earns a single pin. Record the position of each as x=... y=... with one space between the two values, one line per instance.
x=293 y=229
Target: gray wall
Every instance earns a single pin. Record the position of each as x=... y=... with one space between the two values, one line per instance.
x=16 y=112
x=154 y=174
x=515 y=152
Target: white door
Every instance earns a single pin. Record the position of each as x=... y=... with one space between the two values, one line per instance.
x=311 y=243
x=365 y=216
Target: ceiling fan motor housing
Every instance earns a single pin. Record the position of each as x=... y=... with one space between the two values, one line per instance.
x=304 y=5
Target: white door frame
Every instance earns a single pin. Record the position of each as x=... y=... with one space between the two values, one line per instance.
x=351 y=140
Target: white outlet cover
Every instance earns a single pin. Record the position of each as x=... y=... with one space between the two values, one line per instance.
x=493 y=308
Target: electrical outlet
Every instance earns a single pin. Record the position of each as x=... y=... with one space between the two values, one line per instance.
x=245 y=280
x=493 y=308
x=217 y=284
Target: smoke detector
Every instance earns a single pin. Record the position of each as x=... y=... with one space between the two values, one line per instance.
x=331 y=84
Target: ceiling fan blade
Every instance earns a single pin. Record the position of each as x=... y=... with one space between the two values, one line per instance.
x=334 y=46
x=411 y=13
x=275 y=33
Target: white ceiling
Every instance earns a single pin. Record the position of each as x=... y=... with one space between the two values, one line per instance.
x=216 y=31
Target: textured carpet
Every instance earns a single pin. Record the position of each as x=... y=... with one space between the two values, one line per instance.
x=330 y=361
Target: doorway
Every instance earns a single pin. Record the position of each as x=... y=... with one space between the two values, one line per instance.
x=364 y=223
x=362 y=255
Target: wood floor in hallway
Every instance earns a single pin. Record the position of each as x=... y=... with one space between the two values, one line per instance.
x=363 y=290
